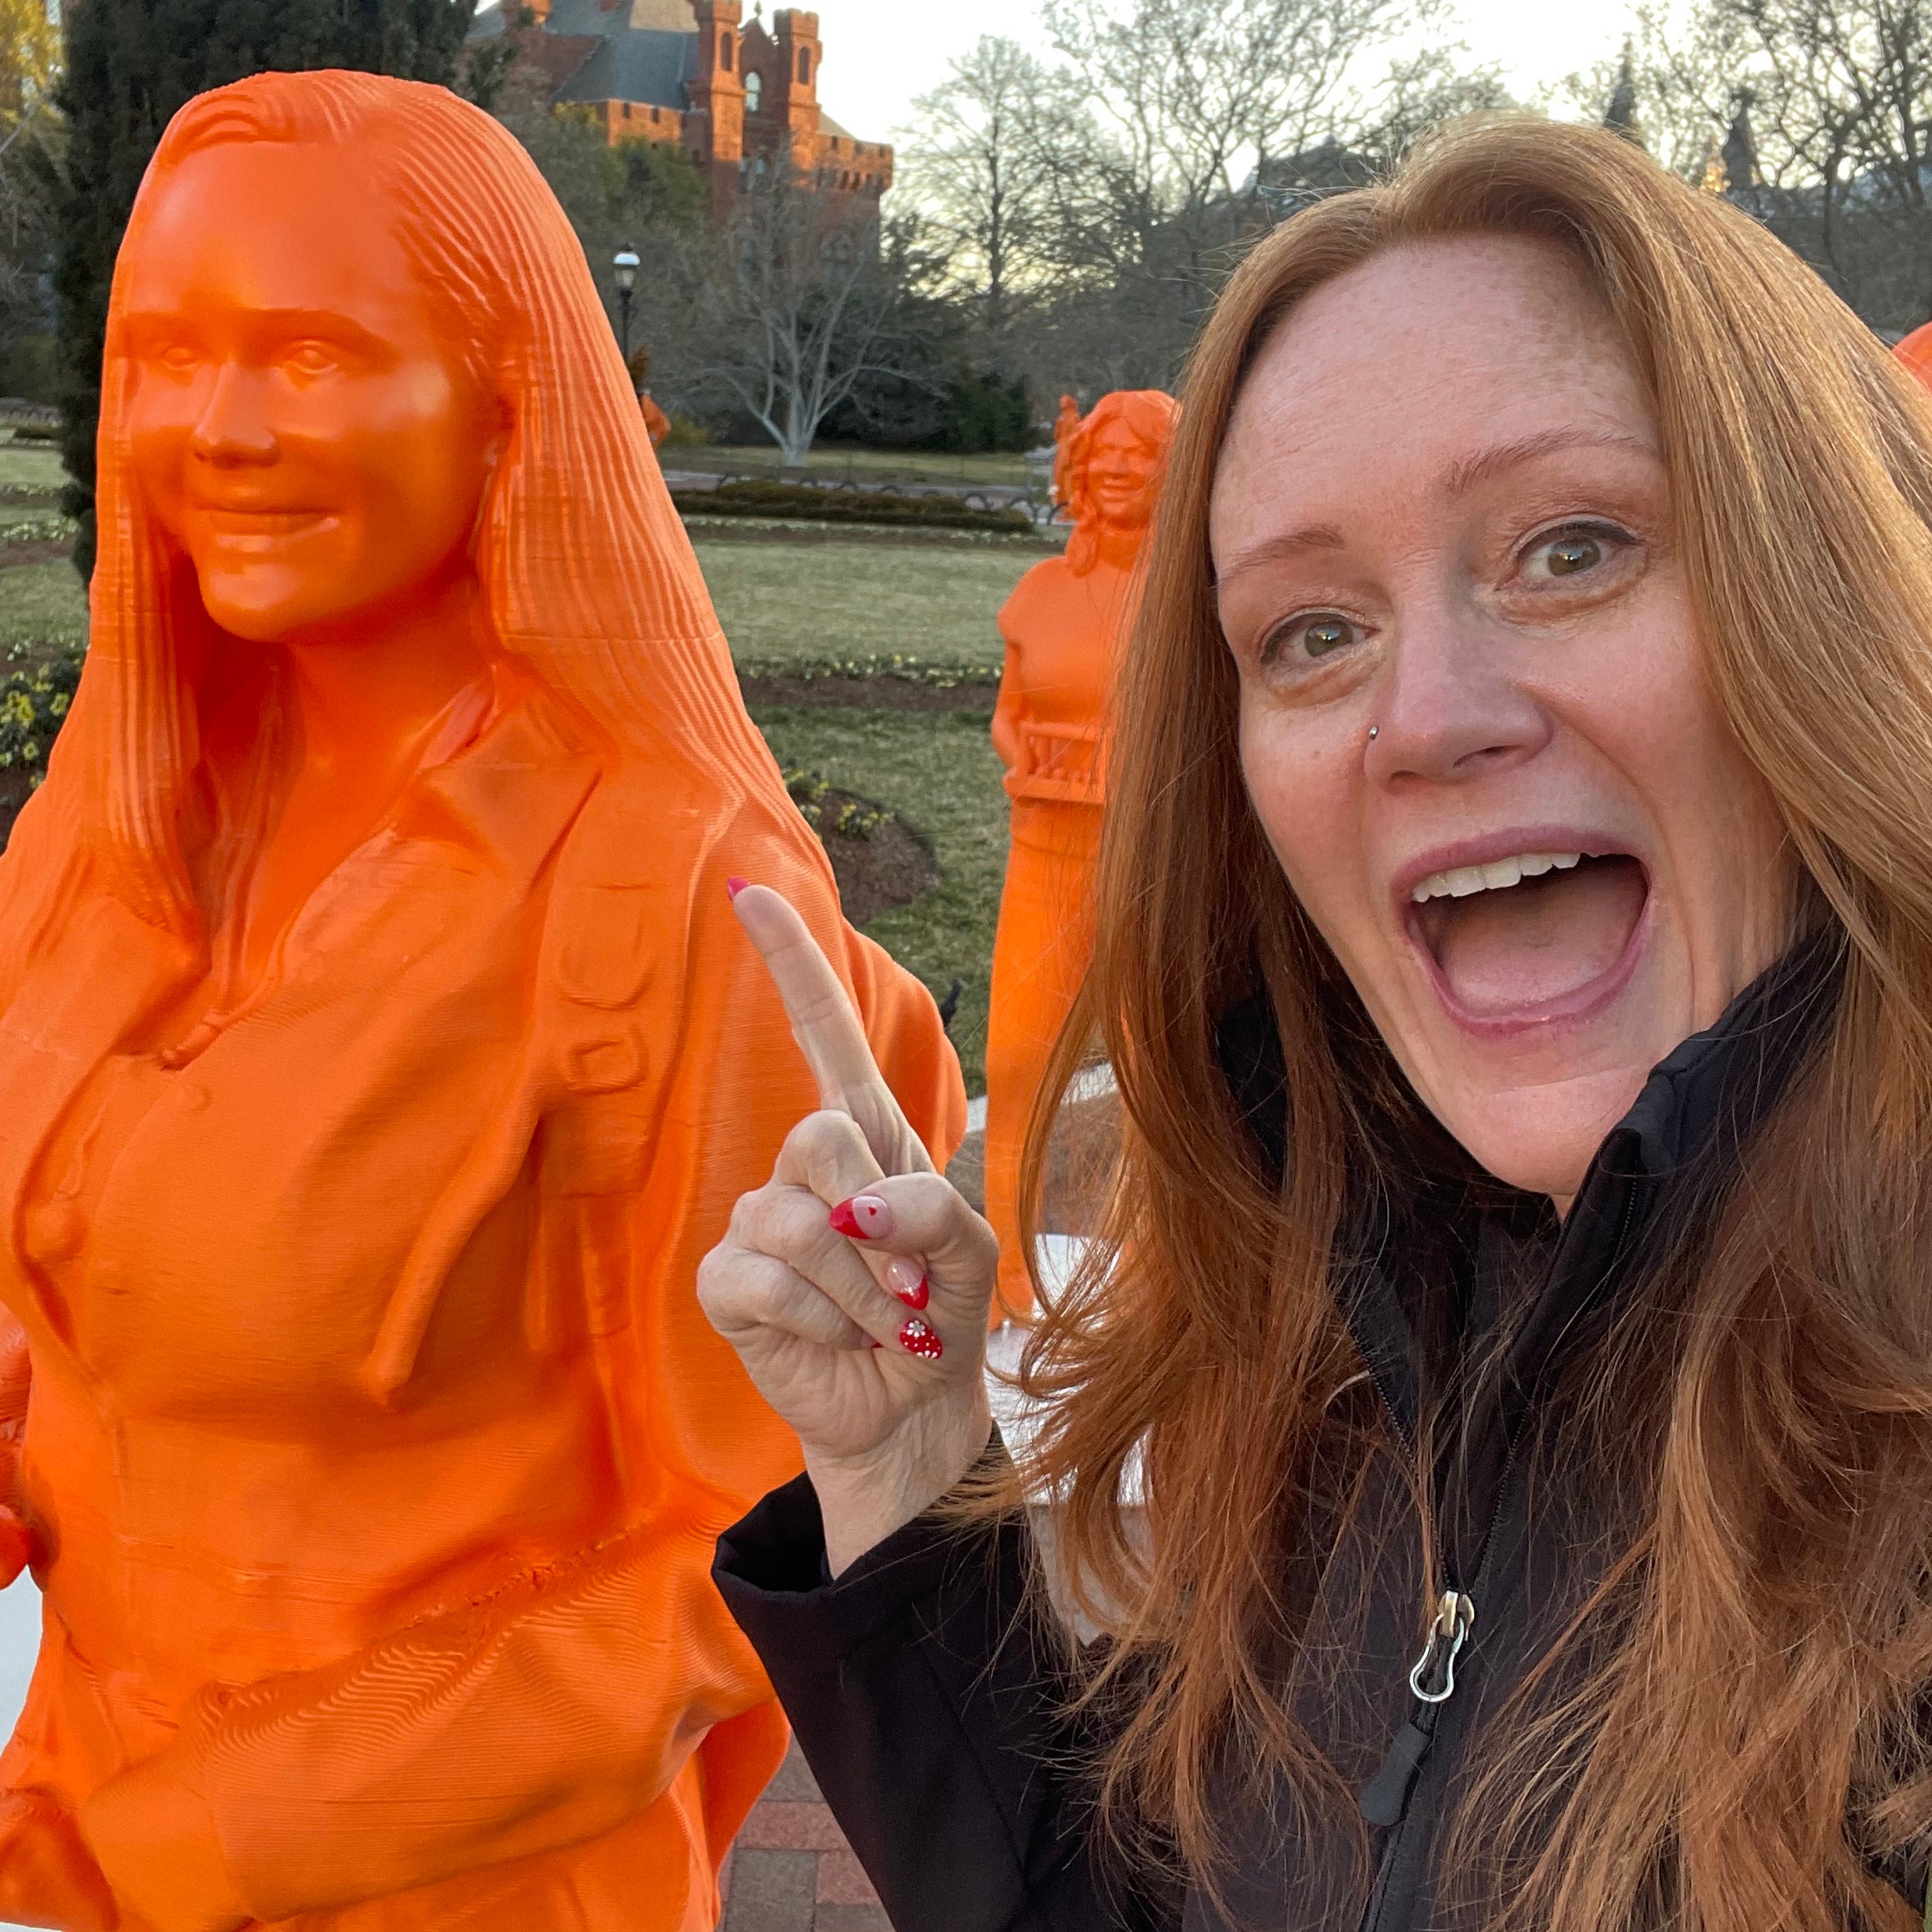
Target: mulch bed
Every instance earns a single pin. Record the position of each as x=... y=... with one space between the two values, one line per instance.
x=33 y=553
x=891 y=867
x=867 y=694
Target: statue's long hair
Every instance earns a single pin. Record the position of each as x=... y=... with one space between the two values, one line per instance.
x=1743 y=1711
x=589 y=580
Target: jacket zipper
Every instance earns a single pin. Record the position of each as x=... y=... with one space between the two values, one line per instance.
x=1385 y=1799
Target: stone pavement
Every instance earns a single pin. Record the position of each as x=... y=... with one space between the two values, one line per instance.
x=791 y=1870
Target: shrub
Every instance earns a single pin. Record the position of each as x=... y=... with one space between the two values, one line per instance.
x=755 y=498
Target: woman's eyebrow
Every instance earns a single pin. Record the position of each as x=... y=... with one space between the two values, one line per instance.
x=1279 y=549
x=1466 y=474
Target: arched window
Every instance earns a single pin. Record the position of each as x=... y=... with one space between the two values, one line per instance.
x=804 y=66
x=754 y=90
x=724 y=51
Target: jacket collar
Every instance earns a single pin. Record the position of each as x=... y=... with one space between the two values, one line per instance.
x=1677 y=1144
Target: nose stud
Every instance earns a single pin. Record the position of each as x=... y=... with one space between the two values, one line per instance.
x=1375 y=730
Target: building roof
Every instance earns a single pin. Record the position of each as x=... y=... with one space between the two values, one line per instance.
x=592 y=19
x=647 y=65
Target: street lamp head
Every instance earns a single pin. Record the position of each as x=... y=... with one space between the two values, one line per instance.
x=625 y=262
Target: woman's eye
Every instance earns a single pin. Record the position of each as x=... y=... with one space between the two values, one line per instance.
x=1571 y=552
x=1309 y=638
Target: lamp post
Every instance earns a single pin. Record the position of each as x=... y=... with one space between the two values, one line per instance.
x=624 y=263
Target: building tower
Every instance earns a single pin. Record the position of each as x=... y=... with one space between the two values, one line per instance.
x=715 y=123
x=795 y=33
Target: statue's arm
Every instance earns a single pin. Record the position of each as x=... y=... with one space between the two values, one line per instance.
x=1009 y=710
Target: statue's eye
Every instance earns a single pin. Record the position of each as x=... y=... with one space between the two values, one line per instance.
x=311 y=358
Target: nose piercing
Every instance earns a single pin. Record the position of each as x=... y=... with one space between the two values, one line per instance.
x=1375 y=730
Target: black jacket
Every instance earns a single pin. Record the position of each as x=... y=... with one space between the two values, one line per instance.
x=928 y=1703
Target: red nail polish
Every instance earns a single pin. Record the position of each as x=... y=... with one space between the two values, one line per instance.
x=734 y=885
x=907 y=1280
x=873 y=1341
x=916 y=1338
x=863 y=1217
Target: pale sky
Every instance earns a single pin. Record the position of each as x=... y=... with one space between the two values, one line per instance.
x=880 y=53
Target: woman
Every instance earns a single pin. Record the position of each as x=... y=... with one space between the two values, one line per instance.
x=369 y=1097
x=1062 y=625
x=1514 y=949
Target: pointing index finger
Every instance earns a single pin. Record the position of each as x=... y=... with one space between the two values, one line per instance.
x=823 y=1023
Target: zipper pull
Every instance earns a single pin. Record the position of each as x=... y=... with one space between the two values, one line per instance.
x=1433 y=1677
x=1385 y=1799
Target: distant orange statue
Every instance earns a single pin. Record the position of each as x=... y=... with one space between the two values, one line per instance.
x=1065 y=424
x=1915 y=352
x=378 y=1056
x=657 y=424
x=1063 y=627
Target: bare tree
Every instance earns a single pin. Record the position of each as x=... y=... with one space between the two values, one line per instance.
x=810 y=297
x=1817 y=114
x=1200 y=94
x=1000 y=147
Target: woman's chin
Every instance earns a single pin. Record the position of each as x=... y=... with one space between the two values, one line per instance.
x=1541 y=1136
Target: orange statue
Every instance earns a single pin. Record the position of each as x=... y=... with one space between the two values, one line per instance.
x=379 y=1057
x=1062 y=626
x=1065 y=424
x=657 y=424
x=1915 y=352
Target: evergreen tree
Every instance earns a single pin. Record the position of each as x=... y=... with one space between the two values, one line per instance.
x=131 y=63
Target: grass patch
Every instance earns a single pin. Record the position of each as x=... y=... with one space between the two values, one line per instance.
x=844 y=600
x=42 y=601
x=30 y=470
x=936 y=771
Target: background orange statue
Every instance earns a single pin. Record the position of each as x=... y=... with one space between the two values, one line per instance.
x=1062 y=626
x=1065 y=424
x=379 y=1057
x=1915 y=352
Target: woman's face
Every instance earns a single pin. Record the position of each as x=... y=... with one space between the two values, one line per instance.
x=1119 y=468
x=296 y=426
x=1474 y=718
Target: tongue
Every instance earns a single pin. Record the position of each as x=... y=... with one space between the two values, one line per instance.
x=1531 y=944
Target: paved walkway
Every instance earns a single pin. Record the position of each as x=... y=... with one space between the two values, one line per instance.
x=791 y=1870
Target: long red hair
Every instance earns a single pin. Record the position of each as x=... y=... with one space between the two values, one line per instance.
x=1756 y=1708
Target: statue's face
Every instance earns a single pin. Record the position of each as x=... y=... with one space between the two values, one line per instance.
x=296 y=426
x=1119 y=471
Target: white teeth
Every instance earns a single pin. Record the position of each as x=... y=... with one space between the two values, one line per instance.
x=1459 y=882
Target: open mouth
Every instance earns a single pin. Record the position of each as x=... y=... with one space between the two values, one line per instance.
x=1534 y=935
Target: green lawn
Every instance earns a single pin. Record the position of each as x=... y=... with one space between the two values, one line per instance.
x=869 y=466
x=40 y=602
x=30 y=467
x=858 y=600
x=938 y=771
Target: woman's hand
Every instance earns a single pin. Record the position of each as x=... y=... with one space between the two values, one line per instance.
x=855 y=1284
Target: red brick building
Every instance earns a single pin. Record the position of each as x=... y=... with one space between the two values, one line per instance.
x=734 y=94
